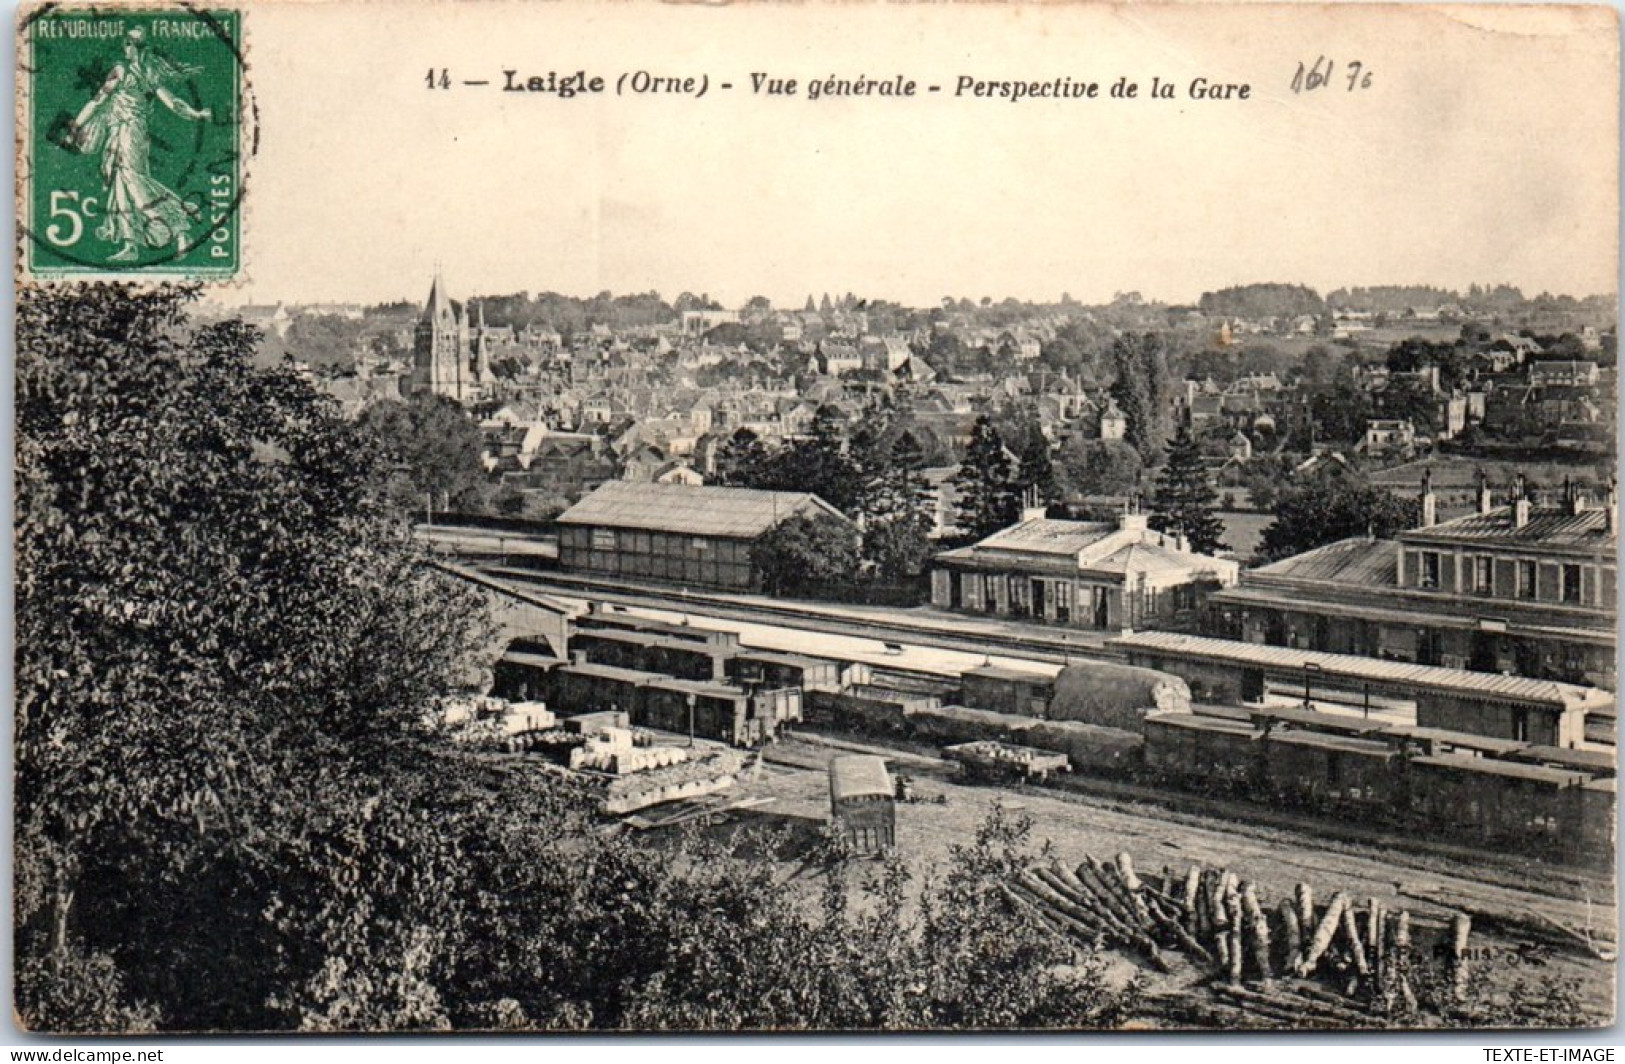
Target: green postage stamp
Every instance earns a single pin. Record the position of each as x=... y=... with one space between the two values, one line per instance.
x=133 y=161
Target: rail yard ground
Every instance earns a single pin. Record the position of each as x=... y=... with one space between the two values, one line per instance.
x=1521 y=909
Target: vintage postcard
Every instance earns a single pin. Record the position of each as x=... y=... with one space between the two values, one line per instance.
x=814 y=517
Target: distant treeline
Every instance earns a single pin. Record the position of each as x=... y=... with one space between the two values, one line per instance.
x=1255 y=301
x=570 y=314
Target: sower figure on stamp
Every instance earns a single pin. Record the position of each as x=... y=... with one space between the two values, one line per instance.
x=139 y=208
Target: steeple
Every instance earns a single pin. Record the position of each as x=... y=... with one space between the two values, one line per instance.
x=439 y=303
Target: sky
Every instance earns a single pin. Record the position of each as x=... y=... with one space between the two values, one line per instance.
x=1484 y=149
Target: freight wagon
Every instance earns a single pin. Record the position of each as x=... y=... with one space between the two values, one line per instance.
x=866 y=709
x=1210 y=752
x=1314 y=770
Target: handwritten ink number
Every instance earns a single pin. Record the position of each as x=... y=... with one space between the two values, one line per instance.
x=438 y=79
x=1320 y=73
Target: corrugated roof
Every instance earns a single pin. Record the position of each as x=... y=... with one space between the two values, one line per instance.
x=1150 y=558
x=1358 y=562
x=708 y=688
x=1343 y=743
x=730 y=513
x=1201 y=722
x=1466 y=740
x=1348 y=666
x=1508 y=769
x=779 y=657
x=1584 y=760
x=1313 y=719
x=999 y=672
x=1547 y=526
x=1047 y=536
x=608 y=672
x=858 y=776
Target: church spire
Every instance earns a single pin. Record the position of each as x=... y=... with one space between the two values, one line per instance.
x=439 y=303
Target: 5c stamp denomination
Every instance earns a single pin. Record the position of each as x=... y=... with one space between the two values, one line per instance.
x=135 y=145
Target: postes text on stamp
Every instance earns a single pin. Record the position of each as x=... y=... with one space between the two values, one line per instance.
x=134 y=153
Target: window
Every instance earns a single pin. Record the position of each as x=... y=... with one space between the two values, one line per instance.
x=1526 y=579
x=1571 y=583
x=1484 y=574
x=1430 y=568
x=1520 y=725
x=603 y=539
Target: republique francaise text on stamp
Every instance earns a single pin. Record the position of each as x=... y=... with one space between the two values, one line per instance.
x=133 y=160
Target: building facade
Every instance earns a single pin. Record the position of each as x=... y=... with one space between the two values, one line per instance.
x=1083 y=574
x=696 y=536
x=449 y=357
x=1527 y=589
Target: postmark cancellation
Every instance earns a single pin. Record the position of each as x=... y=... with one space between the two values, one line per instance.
x=133 y=142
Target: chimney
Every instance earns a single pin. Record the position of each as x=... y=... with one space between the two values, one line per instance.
x=1574 y=500
x=1430 y=501
x=1032 y=507
x=1520 y=503
x=1485 y=500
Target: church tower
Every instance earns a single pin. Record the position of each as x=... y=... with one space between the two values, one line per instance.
x=440 y=347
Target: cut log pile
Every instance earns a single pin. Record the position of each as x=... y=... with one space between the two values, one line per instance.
x=1337 y=963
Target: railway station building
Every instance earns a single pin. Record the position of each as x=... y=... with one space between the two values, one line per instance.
x=680 y=534
x=1527 y=589
x=1083 y=574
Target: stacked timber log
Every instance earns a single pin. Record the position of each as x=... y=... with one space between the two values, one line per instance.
x=1341 y=963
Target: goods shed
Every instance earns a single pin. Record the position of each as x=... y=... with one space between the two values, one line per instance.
x=695 y=536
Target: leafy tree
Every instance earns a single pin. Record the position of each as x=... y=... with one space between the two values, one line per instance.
x=226 y=646
x=897 y=514
x=1408 y=399
x=819 y=464
x=806 y=551
x=945 y=353
x=435 y=450
x=325 y=342
x=1339 y=413
x=741 y=461
x=1184 y=499
x=1328 y=507
x=1143 y=390
x=989 y=497
x=1096 y=467
x=235 y=807
x=1035 y=468
x=1320 y=367
x=1262 y=301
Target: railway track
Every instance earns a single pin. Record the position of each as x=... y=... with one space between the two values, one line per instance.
x=1034 y=647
